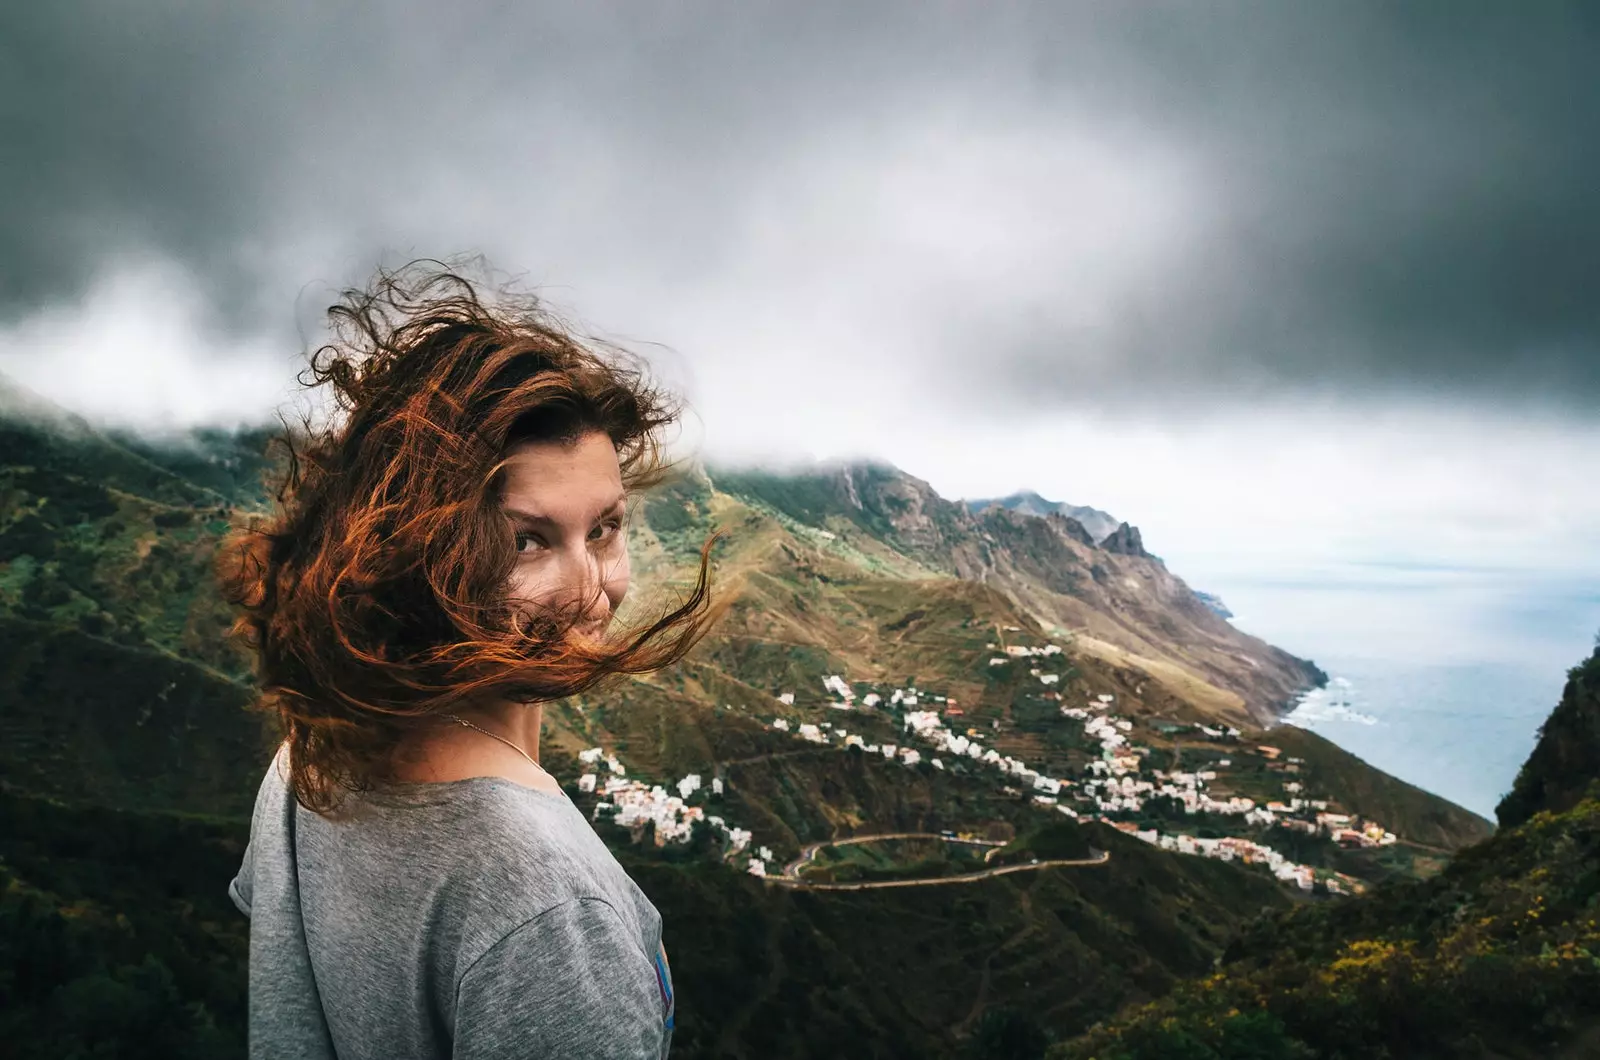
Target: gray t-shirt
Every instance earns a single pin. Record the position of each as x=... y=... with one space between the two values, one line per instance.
x=469 y=920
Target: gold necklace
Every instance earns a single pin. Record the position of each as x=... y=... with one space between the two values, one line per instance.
x=509 y=744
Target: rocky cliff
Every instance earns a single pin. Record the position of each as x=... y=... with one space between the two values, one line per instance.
x=1565 y=763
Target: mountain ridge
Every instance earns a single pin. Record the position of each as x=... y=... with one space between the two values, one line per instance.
x=1096 y=523
x=1121 y=595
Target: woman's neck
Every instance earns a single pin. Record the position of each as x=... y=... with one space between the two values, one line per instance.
x=518 y=722
x=451 y=751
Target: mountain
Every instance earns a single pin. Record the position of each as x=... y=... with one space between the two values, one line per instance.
x=1498 y=955
x=129 y=762
x=1120 y=603
x=1099 y=524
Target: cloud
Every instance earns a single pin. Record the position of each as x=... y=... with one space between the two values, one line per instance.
x=1002 y=210
x=139 y=352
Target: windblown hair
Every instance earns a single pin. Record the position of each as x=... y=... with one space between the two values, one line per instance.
x=374 y=597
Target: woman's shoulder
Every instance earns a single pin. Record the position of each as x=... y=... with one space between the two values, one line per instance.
x=528 y=848
x=530 y=854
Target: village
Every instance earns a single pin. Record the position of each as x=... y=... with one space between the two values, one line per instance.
x=632 y=804
x=1110 y=786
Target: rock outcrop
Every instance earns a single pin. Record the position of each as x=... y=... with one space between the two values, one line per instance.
x=1125 y=541
x=1565 y=763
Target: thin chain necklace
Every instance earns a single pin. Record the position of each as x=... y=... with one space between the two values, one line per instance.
x=509 y=744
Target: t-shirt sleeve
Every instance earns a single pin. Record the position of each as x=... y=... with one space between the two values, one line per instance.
x=572 y=981
x=239 y=887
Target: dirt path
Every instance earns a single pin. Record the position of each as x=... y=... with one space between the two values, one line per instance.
x=795 y=753
x=791 y=872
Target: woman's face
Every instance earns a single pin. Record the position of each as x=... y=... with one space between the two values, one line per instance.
x=566 y=507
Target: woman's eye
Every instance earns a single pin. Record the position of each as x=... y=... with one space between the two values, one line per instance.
x=523 y=539
x=613 y=525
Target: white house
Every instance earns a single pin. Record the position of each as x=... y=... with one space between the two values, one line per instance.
x=837 y=684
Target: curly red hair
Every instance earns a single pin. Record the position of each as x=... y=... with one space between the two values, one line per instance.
x=374 y=597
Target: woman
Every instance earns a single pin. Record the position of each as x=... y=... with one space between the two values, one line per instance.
x=444 y=559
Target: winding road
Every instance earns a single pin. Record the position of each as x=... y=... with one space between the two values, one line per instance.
x=791 y=872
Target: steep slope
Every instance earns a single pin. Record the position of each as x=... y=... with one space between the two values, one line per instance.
x=1420 y=816
x=116 y=939
x=90 y=721
x=1121 y=602
x=1565 y=763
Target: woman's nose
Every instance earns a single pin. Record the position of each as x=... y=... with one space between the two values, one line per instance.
x=587 y=581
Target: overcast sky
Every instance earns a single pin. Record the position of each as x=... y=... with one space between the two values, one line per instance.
x=1282 y=283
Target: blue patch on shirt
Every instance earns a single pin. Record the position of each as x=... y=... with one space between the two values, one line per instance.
x=664 y=981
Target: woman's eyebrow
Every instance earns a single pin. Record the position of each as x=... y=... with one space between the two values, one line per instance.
x=535 y=517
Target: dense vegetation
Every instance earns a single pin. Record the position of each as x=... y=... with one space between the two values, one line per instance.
x=1496 y=956
x=905 y=972
x=1565 y=763
x=116 y=939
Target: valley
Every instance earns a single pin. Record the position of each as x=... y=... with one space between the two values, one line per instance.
x=893 y=666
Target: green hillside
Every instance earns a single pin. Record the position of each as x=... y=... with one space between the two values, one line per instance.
x=129 y=762
x=1410 y=811
x=1496 y=956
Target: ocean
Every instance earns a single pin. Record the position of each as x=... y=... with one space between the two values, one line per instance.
x=1439 y=675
